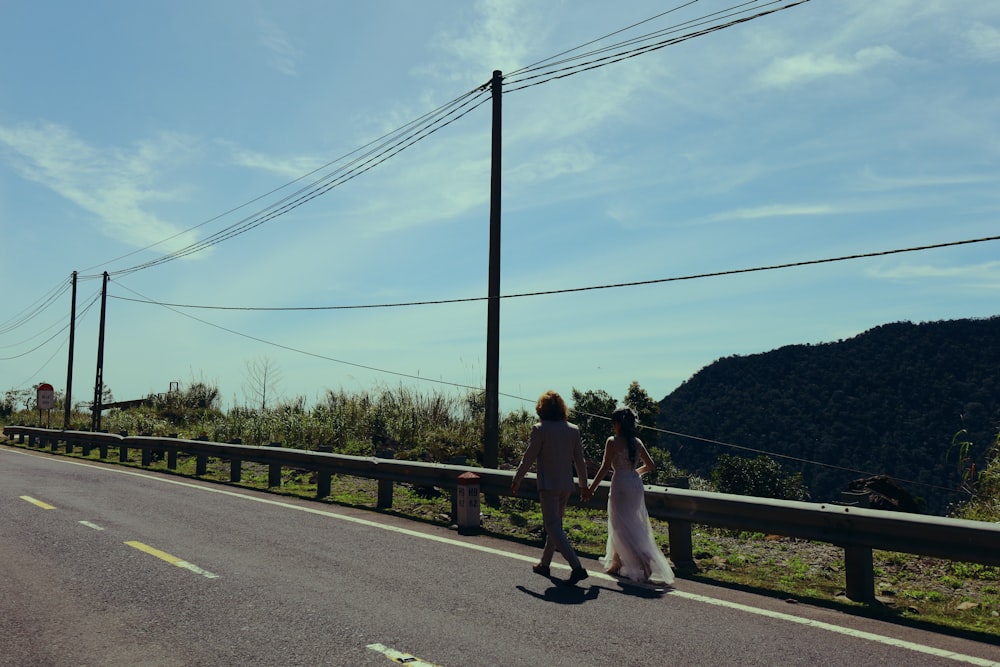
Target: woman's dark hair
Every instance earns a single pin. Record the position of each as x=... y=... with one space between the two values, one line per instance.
x=551 y=407
x=627 y=421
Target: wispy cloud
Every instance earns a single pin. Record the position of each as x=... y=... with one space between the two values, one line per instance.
x=985 y=275
x=292 y=167
x=114 y=185
x=874 y=181
x=984 y=42
x=501 y=37
x=774 y=211
x=806 y=67
x=285 y=55
x=842 y=207
x=411 y=192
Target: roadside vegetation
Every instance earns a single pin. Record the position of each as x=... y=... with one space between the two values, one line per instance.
x=405 y=424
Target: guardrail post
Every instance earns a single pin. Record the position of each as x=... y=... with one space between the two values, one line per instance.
x=384 y=494
x=235 y=470
x=681 y=549
x=679 y=532
x=147 y=456
x=859 y=572
x=323 y=483
x=384 y=485
x=201 y=465
x=323 y=476
x=274 y=470
x=859 y=569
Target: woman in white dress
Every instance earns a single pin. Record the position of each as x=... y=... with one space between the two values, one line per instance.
x=631 y=552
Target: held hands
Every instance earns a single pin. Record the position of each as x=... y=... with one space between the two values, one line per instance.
x=585 y=493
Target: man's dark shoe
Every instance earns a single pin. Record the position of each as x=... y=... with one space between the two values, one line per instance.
x=540 y=569
x=577 y=576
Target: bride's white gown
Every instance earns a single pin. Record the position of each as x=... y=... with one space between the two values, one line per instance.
x=629 y=532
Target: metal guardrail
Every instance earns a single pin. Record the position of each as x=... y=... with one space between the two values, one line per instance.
x=857 y=530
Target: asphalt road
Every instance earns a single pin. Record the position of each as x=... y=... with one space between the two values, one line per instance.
x=104 y=565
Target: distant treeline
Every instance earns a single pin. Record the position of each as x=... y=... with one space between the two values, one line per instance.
x=899 y=400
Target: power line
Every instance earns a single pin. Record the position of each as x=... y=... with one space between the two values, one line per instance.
x=279 y=188
x=715 y=274
x=311 y=354
x=50 y=338
x=36 y=335
x=383 y=151
x=35 y=309
x=537 y=79
x=536 y=65
x=796 y=459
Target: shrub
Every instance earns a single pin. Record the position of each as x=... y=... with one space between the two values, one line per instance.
x=762 y=477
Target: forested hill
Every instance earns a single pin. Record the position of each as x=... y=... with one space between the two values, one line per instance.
x=889 y=401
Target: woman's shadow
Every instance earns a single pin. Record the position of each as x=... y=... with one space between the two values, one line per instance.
x=562 y=593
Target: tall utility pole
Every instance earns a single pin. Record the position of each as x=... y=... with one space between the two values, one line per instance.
x=491 y=429
x=97 y=408
x=69 y=366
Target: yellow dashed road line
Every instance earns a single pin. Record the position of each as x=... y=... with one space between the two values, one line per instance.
x=39 y=503
x=173 y=560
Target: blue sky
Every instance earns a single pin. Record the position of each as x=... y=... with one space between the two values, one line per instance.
x=834 y=128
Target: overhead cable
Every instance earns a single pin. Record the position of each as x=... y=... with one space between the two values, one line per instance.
x=520 y=82
x=382 y=151
x=536 y=65
x=715 y=274
x=50 y=338
x=796 y=459
x=34 y=310
x=307 y=353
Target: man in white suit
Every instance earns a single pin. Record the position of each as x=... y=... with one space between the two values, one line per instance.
x=557 y=448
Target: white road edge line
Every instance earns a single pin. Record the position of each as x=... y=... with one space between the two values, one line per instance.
x=89 y=524
x=859 y=634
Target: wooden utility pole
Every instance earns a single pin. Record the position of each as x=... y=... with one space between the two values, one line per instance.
x=97 y=407
x=491 y=429
x=67 y=408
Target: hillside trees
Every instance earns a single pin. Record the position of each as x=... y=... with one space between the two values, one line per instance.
x=762 y=477
x=592 y=413
x=646 y=408
x=885 y=402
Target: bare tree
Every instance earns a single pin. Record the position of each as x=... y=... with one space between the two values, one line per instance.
x=261 y=381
